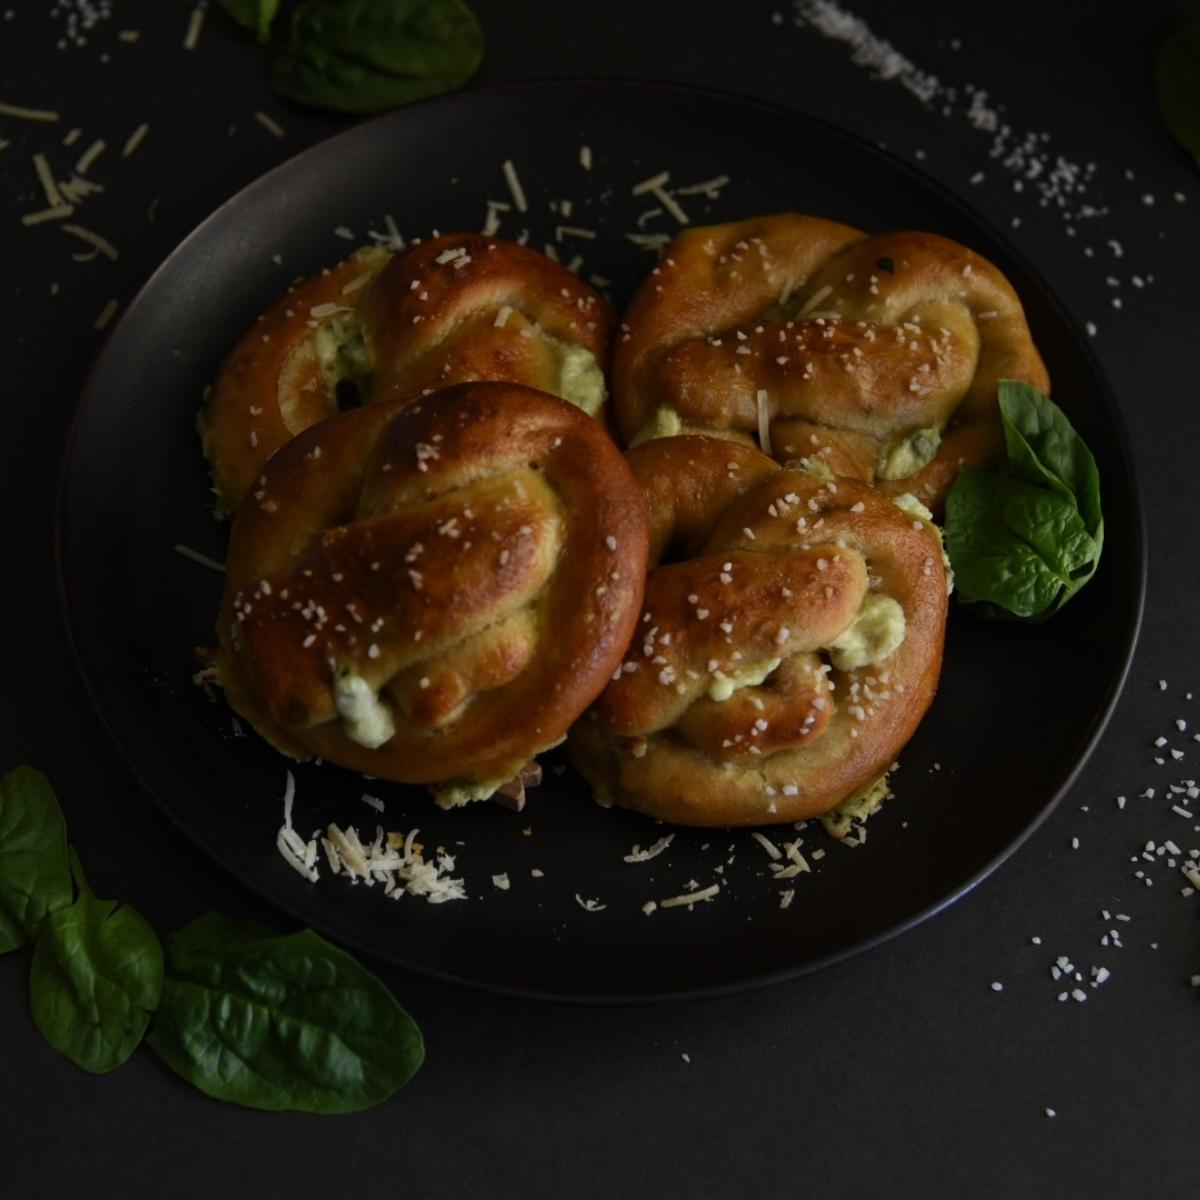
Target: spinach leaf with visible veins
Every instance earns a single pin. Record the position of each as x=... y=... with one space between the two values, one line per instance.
x=253 y=15
x=1023 y=543
x=34 y=877
x=280 y=1022
x=1177 y=81
x=96 y=977
x=364 y=56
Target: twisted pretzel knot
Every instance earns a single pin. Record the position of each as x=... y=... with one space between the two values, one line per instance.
x=377 y=328
x=470 y=564
x=743 y=699
x=841 y=345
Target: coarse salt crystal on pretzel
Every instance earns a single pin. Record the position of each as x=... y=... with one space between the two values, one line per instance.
x=877 y=356
x=378 y=327
x=433 y=592
x=790 y=643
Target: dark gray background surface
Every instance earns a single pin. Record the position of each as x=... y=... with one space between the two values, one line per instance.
x=901 y=1072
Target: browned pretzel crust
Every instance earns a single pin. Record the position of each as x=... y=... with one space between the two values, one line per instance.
x=453 y=309
x=475 y=558
x=766 y=569
x=466 y=306
x=843 y=344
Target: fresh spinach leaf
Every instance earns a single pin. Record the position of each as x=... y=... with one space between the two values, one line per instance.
x=1013 y=547
x=253 y=15
x=34 y=877
x=1043 y=448
x=1024 y=542
x=96 y=977
x=1177 y=82
x=364 y=56
x=280 y=1022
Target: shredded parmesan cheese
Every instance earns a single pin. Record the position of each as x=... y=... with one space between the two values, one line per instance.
x=53 y=199
x=106 y=314
x=269 y=124
x=48 y=214
x=197 y=557
x=669 y=203
x=638 y=855
x=100 y=245
x=651 y=184
x=134 y=140
x=708 y=189
x=766 y=843
x=90 y=155
x=690 y=898
x=195 y=24
x=27 y=114
x=811 y=303
x=514 y=186
x=764 y=421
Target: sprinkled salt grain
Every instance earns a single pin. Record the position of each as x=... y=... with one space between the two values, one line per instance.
x=997 y=986
x=501 y=882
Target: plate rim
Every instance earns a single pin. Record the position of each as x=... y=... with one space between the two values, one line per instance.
x=1131 y=499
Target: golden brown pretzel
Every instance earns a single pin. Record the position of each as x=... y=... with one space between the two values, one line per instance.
x=771 y=677
x=283 y=375
x=456 y=308
x=433 y=592
x=467 y=306
x=859 y=351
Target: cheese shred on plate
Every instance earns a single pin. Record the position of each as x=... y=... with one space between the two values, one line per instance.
x=690 y=898
x=638 y=855
x=391 y=860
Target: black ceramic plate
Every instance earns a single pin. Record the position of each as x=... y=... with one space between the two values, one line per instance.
x=1017 y=711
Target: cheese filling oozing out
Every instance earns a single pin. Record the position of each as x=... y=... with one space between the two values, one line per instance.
x=857 y=807
x=724 y=685
x=875 y=633
x=664 y=423
x=910 y=505
x=455 y=795
x=340 y=348
x=366 y=719
x=907 y=455
x=580 y=380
